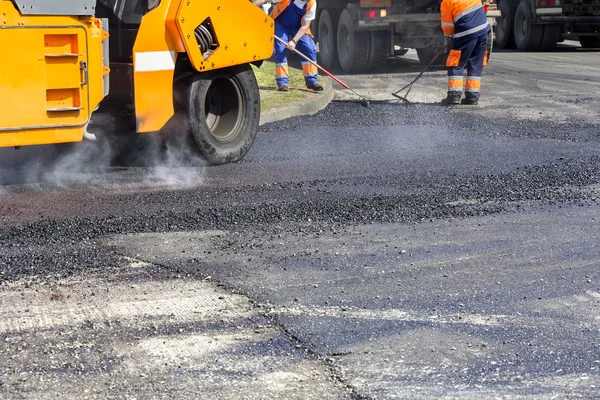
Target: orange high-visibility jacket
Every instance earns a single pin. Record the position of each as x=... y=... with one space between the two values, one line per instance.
x=463 y=18
x=280 y=6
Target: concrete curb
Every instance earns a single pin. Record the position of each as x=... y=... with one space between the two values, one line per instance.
x=306 y=106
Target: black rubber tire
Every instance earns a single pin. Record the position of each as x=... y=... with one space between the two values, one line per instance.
x=327 y=38
x=352 y=46
x=528 y=36
x=505 y=38
x=223 y=110
x=589 y=42
x=550 y=37
x=490 y=44
x=426 y=54
x=379 y=49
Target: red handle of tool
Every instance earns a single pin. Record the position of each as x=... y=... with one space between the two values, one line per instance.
x=315 y=64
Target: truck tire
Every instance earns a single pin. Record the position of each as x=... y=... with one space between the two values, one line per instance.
x=223 y=110
x=505 y=38
x=490 y=44
x=589 y=42
x=379 y=49
x=528 y=36
x=327 y=35
x=550 y=37
x=352 y=46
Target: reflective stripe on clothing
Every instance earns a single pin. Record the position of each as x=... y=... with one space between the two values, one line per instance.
x=473 y=84
x=309 y=69
x=281 y=70
x=471 y=31
x=448 y=29
x=455 y=83
x=467 y=11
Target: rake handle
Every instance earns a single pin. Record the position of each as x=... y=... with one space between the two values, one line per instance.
x=424 y=69
x=315 y=64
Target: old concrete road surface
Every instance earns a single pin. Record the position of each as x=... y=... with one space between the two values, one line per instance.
x=390 y=252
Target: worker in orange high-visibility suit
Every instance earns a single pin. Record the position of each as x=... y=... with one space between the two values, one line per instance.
x=464 y=21
x=292 y=24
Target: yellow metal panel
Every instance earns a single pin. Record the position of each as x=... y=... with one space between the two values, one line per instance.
x=41 y=77
x=173 y=9
x=45 y=94
x=154 y=55
x=40 y=136
x=243 y=31
x=96 y=66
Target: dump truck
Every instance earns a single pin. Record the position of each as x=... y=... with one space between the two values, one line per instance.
x=146 y=61
x=358 y=35
x=538 y=25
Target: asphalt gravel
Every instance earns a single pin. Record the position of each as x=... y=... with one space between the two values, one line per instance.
x=61 y=236
x=414 y=250
x=348 y=113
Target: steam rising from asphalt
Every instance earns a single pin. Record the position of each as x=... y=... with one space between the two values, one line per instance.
x=129 y=162
x=177 y=167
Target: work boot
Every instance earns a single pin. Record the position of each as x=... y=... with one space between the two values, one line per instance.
x=451 y=101
x=469 y=102
x=283 y=88
x=316 y=87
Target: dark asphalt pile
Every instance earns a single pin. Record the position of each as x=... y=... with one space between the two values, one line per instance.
x=63 y=240
x=346 y=113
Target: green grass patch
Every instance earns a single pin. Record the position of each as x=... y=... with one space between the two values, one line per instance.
x=269 y=96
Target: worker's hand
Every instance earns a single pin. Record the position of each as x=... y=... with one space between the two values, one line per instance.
x=291 y=45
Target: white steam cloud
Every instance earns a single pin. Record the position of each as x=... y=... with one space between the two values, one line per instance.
x=128 y=163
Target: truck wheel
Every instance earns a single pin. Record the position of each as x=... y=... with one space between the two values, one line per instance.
x=223 y=107
x=379 y=49
x=550 y=37
x=352 y=46
x=589 y=42
x=327 y=35
x=505 y=38
x=528 y=36
x=490 y=44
